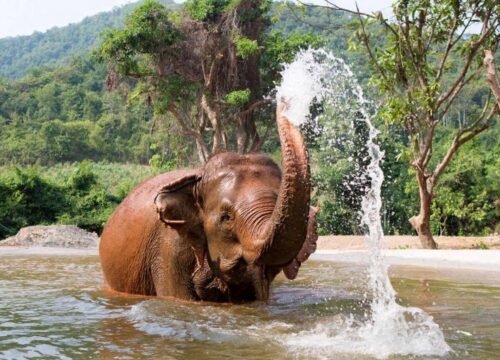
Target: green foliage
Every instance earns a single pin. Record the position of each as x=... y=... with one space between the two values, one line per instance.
x=202 y=10
x=466 y=201
x=84 y=194
x=483 y=246
x=160 y=160
x=282 y=49
x=41 y=119
x=57 y=116
x=148 y=29
x=245 y=46
x=89 y=204
x=26 y=198
x=238 y=97
x=173 y=88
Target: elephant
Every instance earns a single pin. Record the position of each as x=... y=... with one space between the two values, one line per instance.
x=221 y=232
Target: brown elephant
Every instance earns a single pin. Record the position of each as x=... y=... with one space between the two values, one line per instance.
x=218 y=233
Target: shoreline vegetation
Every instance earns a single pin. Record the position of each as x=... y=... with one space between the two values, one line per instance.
x=72 y=237
x=71 y=149
x=82 y=194
x=85 y=193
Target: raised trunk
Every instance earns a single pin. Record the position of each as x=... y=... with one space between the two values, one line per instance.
x=287 y=228
x=422 y=222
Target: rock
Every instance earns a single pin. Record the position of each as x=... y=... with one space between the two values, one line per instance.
x=64 y=236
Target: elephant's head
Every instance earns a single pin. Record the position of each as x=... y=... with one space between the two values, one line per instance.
x=245 y=218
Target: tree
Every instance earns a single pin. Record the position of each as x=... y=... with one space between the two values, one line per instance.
x=193 y=65
x=414 y=69
x=201 y=66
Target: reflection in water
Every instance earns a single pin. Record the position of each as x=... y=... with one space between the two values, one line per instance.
x=54 y=307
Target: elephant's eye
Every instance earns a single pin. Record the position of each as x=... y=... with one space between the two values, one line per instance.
x=225 y=216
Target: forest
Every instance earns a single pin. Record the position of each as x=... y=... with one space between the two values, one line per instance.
x=83 y=119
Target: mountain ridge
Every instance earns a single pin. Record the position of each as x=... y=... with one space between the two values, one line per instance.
x=58 y=45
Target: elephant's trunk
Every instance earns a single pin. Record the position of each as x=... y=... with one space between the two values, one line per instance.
x=286 y=231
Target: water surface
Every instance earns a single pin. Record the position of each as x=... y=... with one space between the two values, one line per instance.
x=54 y=307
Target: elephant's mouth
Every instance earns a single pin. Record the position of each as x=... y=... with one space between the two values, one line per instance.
x=261 y=284
x=245 y=282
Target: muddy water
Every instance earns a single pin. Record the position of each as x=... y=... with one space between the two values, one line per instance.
x=53 y=307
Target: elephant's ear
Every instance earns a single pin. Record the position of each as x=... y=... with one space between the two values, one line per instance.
x=308 y=247
x=175 y=201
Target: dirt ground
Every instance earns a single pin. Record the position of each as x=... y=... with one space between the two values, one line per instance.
x=348 y=242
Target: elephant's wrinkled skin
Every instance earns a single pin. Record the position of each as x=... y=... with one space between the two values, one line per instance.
x=218 y=233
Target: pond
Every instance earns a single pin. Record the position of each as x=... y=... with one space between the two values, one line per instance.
x=54 y=307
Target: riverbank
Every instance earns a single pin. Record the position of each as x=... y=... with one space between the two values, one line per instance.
x=451 y=259
x=456 y=260
x=455 y=253
x=401 y=242
x=72 y=237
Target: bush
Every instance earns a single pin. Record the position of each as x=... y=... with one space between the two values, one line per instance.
x=202 y=10
x=84 y=194
x=26 y=199
x=89 y=204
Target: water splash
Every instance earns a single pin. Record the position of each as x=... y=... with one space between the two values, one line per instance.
x=302 y=82
x=317 y=76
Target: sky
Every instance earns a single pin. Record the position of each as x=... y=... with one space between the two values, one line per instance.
x=23 y=17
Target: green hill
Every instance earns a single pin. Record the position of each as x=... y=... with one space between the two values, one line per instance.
x=59 y=45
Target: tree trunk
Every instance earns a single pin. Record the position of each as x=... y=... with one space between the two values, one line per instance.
x=422 y=222
x=202 y=150
x=213 y=117
x=241 y=135
x=422 y=225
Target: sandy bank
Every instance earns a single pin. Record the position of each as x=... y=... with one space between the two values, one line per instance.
x=44 y=251
x=452 y=259
x=352 y=242
x=53 y=236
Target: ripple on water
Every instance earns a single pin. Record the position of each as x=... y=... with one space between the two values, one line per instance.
x=312 y=317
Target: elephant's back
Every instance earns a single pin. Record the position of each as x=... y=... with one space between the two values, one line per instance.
x=143 y=194
x=130 y=237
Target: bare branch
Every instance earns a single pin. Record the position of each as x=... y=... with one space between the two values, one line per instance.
x=455 y=93
x=479 y=119
x=370 y=52
x=428 y=147
x=461 y=138
x=408 y=48
x=292 y=9
x=209 y=80
x=334 y=7
x=466 y=26
x=254 y=106
x=491 y=74
x=449 y=46
x=213 y=117
x=465 y=68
